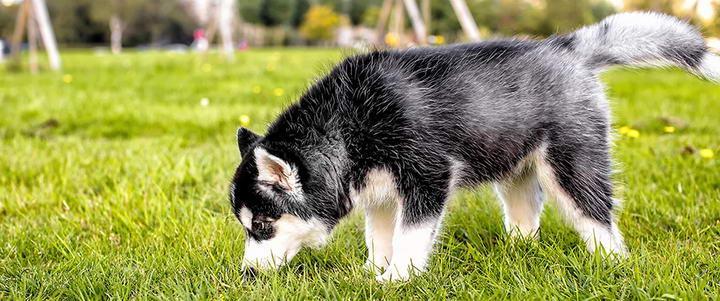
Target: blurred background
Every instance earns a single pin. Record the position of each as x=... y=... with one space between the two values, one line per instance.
x=239 y=24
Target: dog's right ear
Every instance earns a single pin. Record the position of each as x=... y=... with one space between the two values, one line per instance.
x=245 y=139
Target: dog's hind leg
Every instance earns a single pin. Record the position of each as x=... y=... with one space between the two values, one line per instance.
x=522 y=202
x=578 y=175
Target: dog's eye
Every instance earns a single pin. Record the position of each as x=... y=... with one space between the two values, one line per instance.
x=261 y=224
x=262 y=229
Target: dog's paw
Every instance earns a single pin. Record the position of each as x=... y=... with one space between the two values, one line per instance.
x=393 y=275
x=373 y=267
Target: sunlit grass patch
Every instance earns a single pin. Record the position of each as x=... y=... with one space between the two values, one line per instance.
x=114 y=184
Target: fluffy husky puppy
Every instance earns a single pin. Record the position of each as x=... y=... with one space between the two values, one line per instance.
x=396 y=132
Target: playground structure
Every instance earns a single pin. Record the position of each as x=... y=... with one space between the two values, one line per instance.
x=215 y=16
x=220 y=18
x=33 y=17
x=420 y=20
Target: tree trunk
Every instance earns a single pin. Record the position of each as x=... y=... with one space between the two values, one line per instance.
x=116 y=33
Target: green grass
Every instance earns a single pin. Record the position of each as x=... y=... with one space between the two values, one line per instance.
x=115 y=185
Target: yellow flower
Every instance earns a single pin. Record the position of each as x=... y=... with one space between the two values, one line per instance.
x=624 y=130
x=633 y=133
x=278 y=92
x=206 y=68
x=256 y=89
x=244 y=120
x=439 y=40
x=669 y=129
x=391 y=40
x=270 y=67
x=707 y=153
x=67 y=78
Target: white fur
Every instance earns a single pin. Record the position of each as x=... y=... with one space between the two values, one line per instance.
x=710 y=67
x=291 y=233
x=273 y=170
x=392 y=246
x=380 y=198
x=380 y=190
x=595 y=235
x=379 y=230
x=635 y=38
x=522 y=204
x=412 y=247
x=246 y=217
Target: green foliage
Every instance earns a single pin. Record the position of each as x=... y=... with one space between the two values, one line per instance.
x=371 y=17
x=250 y=10
x=73 y=22
x=275 y=12
x=356 y=10
x=300 y=8
x=87 y=21
x=114 y=185
x=7 y=21
x=664 y=6
x=320 y=23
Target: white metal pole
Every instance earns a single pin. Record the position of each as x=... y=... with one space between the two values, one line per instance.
x=417 y=22
x=466 y=20
x=226 y=12
x=32 y=31
x=46 y=33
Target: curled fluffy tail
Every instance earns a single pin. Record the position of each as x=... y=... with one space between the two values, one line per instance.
x=645 y=39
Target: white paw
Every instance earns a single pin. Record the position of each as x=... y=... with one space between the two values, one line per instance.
x=375 y=267
x=524 y=233
x=395 y=274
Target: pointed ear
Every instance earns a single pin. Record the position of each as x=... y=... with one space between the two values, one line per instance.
x=245 y=139
x=276 y=172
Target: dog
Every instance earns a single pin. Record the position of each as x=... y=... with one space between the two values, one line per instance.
x=396 y=132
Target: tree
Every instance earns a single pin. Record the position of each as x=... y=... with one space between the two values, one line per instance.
x=565 y=15
x=320 y=23
x=275 y=12
x=663 y=6
x=299 y=10
x=250 y=10
x=115 y=13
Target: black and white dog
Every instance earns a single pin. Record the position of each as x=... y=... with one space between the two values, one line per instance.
x=396 y=132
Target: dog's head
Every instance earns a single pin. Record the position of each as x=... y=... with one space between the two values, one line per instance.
x=276 y=200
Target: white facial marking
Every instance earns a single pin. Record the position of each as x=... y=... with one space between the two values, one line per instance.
x=246 y=217
x=291 y=233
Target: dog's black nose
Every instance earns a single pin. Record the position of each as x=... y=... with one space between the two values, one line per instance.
x=249 y=273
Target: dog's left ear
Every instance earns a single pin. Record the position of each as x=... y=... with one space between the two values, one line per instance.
x=276 y=172
x=245 y=139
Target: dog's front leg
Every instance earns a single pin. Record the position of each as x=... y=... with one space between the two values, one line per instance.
x=412 y=246
x=416 y=226
x=379 y=227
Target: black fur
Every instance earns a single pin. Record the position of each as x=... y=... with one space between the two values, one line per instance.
x=414 y=111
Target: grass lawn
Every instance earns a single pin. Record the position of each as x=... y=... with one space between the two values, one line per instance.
x=114 y=175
